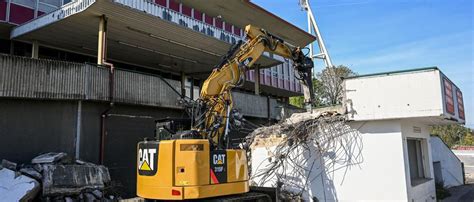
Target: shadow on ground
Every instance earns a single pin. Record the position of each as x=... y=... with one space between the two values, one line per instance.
x=461 y=193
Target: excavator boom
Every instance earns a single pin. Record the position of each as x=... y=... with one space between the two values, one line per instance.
x=216 y=90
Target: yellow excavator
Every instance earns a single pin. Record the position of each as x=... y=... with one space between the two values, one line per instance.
x=198 y=163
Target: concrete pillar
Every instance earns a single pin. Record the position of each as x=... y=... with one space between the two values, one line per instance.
x=12 y=47
x=34 y=50
x=199 y=84
x=257 y=80
x=78 y=129
x=192 y=89
x=183 y=84
x=102 y=41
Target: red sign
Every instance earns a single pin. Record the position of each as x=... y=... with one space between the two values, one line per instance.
x=460 y=104
x=448 y=95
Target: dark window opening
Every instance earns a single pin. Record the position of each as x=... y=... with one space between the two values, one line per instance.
x=4 y=46
x=416 y=161
x=22 y=49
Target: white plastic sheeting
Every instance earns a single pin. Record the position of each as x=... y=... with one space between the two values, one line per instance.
x=16 y=187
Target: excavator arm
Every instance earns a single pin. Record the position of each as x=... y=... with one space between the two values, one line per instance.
x=216 y=89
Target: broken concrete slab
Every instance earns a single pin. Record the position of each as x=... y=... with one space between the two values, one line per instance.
x=73 y=179
x=8 y=164
x=17 y=187
x=50 y=157
x=31 y=172
x=97 y=193
x=90 y=197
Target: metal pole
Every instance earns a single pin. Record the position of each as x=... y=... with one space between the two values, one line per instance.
x=310 y=32
x=78 y=128
x=191 y=92
x=322 y=47
x=183 y=85
x=257 y=80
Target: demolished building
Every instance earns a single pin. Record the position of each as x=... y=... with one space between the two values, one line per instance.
x=378 y=148
x=57 y=94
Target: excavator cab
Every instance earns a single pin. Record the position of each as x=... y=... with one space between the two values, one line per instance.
x=179 y=164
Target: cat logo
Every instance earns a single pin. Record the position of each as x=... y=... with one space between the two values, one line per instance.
x=218 y=159
x=218 y=166
x=147 y=158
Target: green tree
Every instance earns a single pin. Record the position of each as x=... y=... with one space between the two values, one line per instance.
x=327 y=86
x=297 y=101
x=331 y=83
x=468 y=139
x=453 y=134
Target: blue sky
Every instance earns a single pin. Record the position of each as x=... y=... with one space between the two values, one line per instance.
x=373 y=36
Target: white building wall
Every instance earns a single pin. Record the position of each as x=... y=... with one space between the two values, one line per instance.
x=451 y=166
x=406 y=95
x=380 y=176
x=425 y=191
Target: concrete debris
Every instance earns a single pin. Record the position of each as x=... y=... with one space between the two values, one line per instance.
x=15 y=187
x=89 y=197
x=51 y=157
x=38 y=167
x=302 y=148
x=73 y=179
x=62 y=179
x=8 y=164
x=97 y=193
x=31 y=172
x=80 y=162
x=316 y=113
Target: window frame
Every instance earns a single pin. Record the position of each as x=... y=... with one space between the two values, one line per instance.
x=422 y=174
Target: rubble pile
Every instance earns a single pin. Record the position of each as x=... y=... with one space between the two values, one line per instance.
x=291 y=155
x=55 y=177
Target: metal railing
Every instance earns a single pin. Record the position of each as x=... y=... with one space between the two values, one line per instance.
x=180 y=19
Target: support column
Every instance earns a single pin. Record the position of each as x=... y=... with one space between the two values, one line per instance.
x=183 y=84
x=34 y=50
x=102 y=41
x=78 y=129
x=199 y=84
x=257 y=80
x=12 y=47
x=192 y=89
